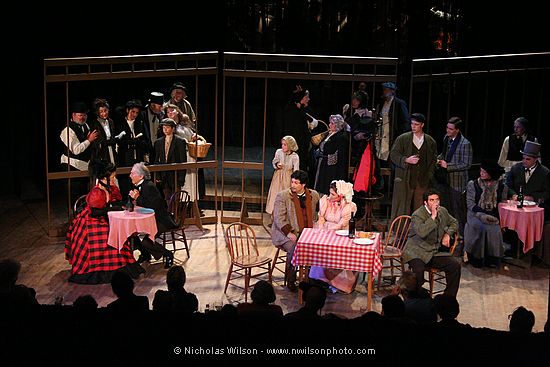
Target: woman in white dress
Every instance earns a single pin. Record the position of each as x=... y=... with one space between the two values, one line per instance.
x=285 y=162
x=335 y=211
x=184 y=129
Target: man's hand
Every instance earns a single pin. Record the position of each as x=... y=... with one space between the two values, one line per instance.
x=435 y=211
x=413 y=159
x=446 y=241
x=292 y=237
x=360 y=136
x=442 y=163
x=92 y=136
x=134 y=194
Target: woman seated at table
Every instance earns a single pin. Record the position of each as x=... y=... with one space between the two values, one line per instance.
x=335 y=211
x=482 y=234
x=93 y=261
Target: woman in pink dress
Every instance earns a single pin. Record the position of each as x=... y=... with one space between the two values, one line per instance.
x=335 y=211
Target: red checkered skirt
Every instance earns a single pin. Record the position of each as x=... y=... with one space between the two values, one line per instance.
x=86 y=246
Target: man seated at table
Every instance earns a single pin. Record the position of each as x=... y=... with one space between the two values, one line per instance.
x=147 y=195
x=294 y=209
x=432 y=228
x=530 y=175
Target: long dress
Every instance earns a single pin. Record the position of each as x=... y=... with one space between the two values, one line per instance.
x=334 y=216
x=281 y=177
x=482 y=241
x=190 y=185
x=332 y=160
x=93 y=261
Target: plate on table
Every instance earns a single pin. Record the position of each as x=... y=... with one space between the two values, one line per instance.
x=145 y=210
x=363 y=241
x=342 y=232
x=529 y=203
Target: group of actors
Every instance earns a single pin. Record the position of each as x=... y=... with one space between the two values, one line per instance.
x=360 y=138
x=433 y=187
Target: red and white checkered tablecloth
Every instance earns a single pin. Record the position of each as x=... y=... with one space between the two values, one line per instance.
x=327 y=249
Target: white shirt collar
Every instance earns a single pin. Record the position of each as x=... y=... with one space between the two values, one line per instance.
x=428 y=210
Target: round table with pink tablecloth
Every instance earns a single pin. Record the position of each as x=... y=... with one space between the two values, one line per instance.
x=528 y=222
x=123 y=224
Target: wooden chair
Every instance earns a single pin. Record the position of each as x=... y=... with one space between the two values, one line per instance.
x=393 y=247
x=278 y=260
x=79 y=205
x=177 y=206
x=436 y=275
x=243 y=250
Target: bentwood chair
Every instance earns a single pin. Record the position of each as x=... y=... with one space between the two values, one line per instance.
x=177 y=207
x=393 y=247
x=436 y=275
x=243 y=251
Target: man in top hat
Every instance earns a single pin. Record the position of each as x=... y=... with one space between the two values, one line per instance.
x=395 y=120
x=77 y=138
x=178 y=96
x=530 y=175
x=151 y=117
x=170 y=149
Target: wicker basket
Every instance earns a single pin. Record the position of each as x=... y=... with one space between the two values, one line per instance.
x=198 y=150
x=318 y=138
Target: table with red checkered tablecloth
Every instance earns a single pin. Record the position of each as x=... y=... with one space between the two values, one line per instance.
x=326 y=249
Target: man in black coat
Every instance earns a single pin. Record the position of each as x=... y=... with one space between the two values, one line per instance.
x=146 y=195
x=170 y=149
x=531 y=176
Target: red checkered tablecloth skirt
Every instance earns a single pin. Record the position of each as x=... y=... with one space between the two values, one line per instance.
x=325 y=248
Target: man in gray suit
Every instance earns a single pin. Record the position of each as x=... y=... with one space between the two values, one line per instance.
x=432 y=228
x=294 y=210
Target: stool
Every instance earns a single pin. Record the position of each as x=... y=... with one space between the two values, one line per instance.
x=369 y=201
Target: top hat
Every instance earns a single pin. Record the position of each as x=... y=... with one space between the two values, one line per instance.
x=389 y=85
x=531 y=149
x=156 y=97
x=79 y=107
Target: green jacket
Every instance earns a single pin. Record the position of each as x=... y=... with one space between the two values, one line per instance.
x=426 y=234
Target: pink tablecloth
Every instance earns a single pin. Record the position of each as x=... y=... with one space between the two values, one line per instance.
x=528 y=222
x=326 y=249
x=123 y=224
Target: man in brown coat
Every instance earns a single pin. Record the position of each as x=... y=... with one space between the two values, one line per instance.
x=294 y=210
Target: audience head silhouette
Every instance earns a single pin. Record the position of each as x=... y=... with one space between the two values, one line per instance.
x=314 y=296
x=263 y=293
x=446 y=306
x=393 y=306
x=522 y=320
x=9 y=272
x=407 y=284
x=85 y=303
x=122 y=284
x=175 y=277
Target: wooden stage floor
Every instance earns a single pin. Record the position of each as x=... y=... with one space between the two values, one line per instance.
x=486 y=296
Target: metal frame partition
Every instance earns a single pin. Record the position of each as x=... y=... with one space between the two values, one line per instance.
x=70 y=70
x=487 y=92
x=263 y=67
x=268 y=67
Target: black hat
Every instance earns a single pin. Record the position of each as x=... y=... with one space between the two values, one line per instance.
x=492 y=168
x=531 y=149
x=156 y=97
x=79 y=107
x=389 y=85
x=179 y=85
x=169 y=122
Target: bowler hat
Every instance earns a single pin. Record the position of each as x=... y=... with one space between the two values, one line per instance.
x=492 y=168
x=79 y=107
x=169 y=122
x=531 y=149
x=389 y=85
x=179 y=85
x=156 y=97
